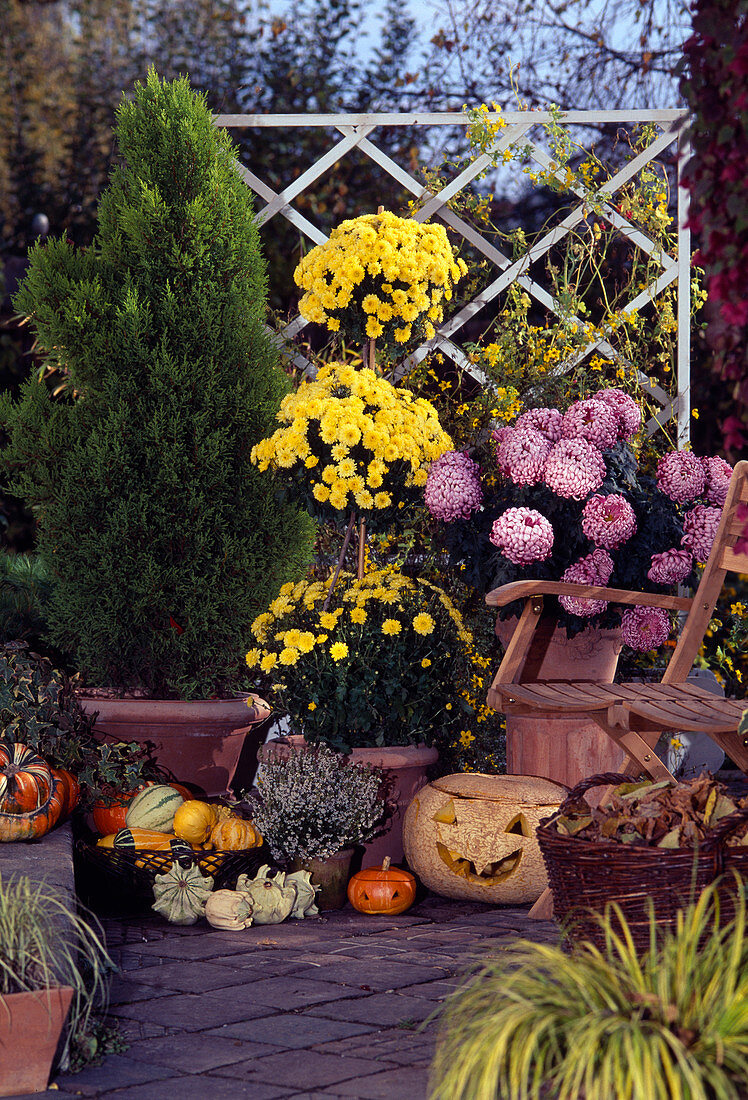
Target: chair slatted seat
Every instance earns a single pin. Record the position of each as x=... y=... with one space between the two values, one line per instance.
x=633 y=714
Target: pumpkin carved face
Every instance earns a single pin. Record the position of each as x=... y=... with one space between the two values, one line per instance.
x=473 y=836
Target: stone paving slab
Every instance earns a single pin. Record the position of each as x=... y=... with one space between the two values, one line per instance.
x=339 y=1005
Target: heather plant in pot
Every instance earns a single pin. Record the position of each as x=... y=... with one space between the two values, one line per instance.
x=162 y=540
x=561 y=495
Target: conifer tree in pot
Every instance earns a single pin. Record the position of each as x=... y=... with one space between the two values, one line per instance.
x=163 y=540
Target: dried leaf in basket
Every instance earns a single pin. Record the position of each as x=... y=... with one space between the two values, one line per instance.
x=662 y=814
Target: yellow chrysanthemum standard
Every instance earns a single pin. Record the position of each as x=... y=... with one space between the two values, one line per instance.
x=376 y=271
x=288 y=656
x=372 y=445
x=358 y=615
x=338 y=650
x=391 y=626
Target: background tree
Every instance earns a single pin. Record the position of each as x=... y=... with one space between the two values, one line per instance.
x=715 y=87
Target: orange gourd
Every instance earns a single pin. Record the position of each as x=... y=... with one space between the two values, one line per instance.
x=234 y=834
x=382 y=890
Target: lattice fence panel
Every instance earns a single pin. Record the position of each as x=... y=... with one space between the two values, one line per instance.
x=358 y=132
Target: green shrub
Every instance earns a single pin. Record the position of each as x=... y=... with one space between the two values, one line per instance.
x=163 y=541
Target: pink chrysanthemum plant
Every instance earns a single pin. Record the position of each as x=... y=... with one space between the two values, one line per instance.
x=562 y=497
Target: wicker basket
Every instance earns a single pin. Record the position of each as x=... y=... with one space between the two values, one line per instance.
x=584 y=875
x=134 y=872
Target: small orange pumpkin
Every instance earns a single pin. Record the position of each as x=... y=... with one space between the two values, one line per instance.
x=382 y=890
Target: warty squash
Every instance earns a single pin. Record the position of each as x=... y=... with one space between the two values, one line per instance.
x=234 y=834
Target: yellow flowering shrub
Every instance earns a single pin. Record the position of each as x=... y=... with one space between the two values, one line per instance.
x=387 y=663
x=380 y=276
x=351 y=440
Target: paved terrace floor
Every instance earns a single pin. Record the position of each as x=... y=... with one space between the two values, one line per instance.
x=328 y=1006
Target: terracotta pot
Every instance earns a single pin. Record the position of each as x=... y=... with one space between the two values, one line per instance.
x=407 y=766
x=30 y=1028
x=198 y=741
x=565 y=750
x=331 y=875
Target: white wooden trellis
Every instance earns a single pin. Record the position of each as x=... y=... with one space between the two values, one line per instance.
x=356 y=131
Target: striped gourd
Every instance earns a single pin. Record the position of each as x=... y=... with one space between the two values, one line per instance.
x=150 y=839
x=154 y=808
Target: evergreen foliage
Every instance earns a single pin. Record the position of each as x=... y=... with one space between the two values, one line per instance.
x=164 y=541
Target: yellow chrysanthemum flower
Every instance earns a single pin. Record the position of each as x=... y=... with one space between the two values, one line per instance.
x=338 y=650
x=288 y=656
x=358 y=615
x=391 y=626
x=253 y=658
x=268 y=662
x=423 y=624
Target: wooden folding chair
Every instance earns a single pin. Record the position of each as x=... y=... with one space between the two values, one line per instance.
x=633 y=714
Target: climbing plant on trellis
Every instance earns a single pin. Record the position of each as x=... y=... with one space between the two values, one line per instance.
x=528 y=129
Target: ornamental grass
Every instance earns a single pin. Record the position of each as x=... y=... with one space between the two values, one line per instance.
x=533 y=1022
x=380 y=277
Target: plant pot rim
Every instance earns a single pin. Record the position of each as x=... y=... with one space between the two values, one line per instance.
x=237 y=704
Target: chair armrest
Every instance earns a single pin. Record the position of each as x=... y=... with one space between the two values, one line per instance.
x=519 y=590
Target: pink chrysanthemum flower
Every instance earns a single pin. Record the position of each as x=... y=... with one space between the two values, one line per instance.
x=453 y=489
x=670 y=567
x=522 y=535
x=574 y=468
x=546 y=421
x=608 y=521
x=718 y=474
x=521 y=456
x=594 y=569
x=627 y=411
x=699 y=528
x=498 y=435
x=645 y=628
x=681 y=476
x=592 y=420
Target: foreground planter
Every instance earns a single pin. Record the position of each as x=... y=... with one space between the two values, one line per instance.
x=565 y=750
x=198 y=741
x=30 y=1029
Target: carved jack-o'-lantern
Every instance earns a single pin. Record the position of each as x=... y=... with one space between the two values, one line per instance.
x=473 y=836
